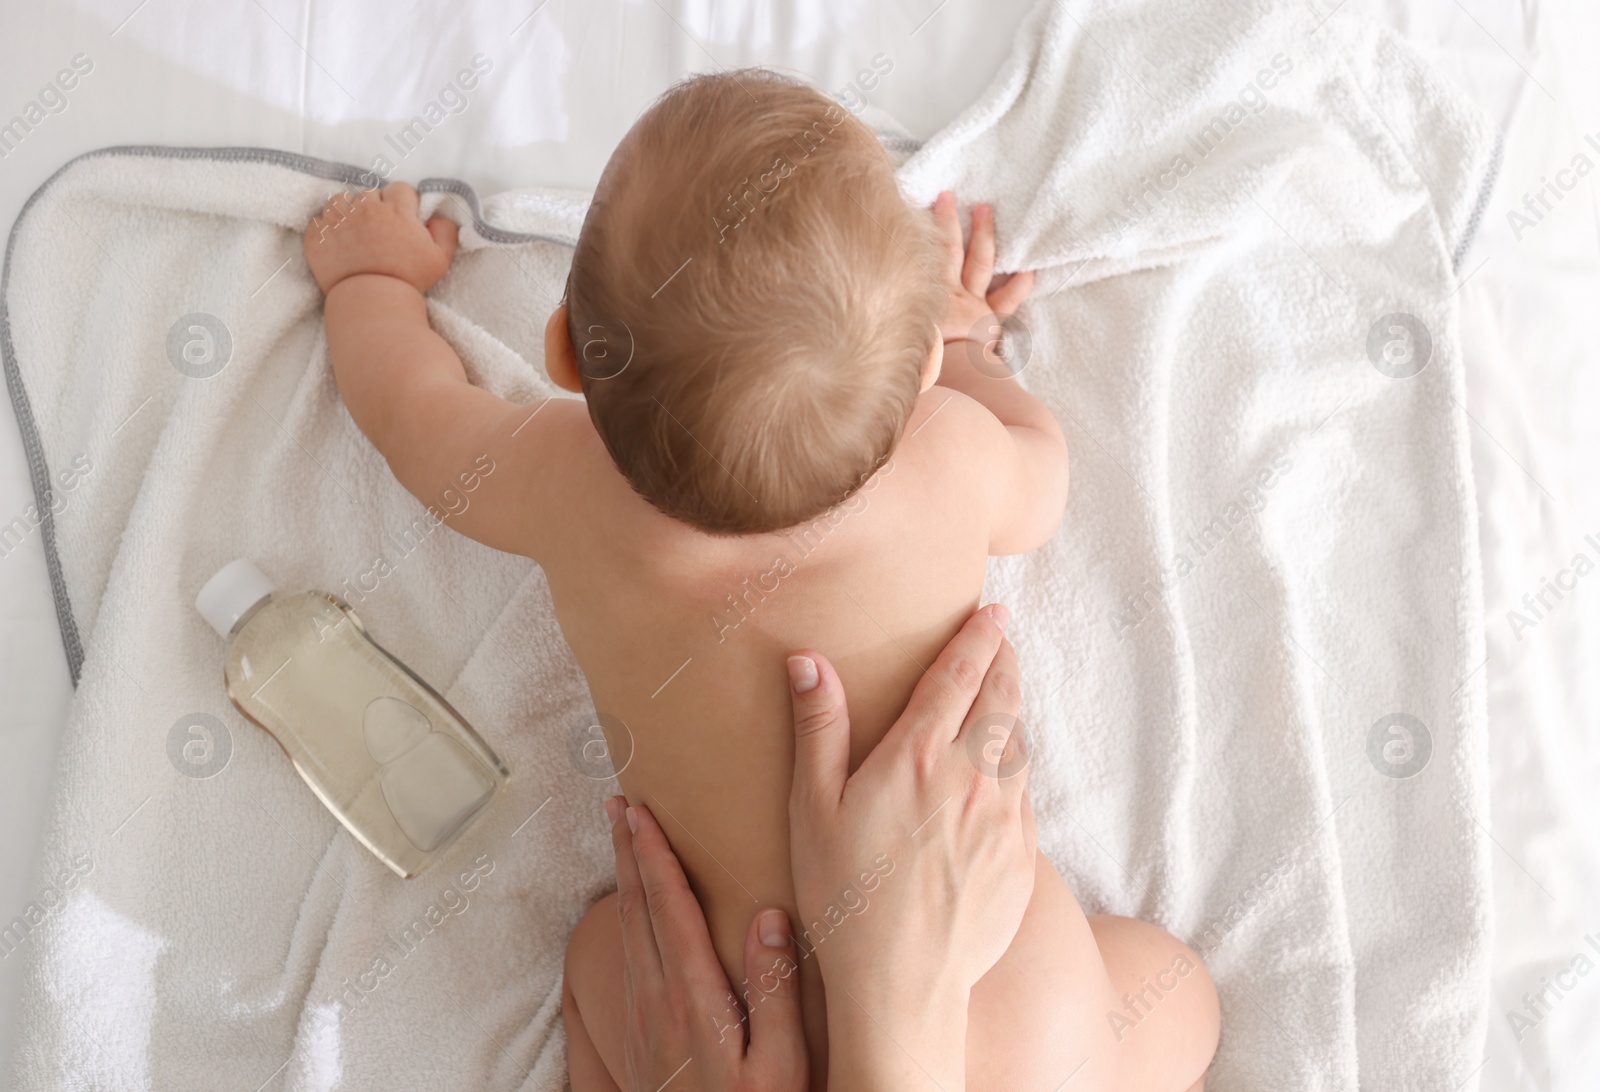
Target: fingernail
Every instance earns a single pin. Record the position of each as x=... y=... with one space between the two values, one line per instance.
x=773 y=928
x=1000 y=614
x=633 y=820
x=802 y=674
x=614 y=809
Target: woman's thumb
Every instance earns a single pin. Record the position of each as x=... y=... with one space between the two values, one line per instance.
x=821 y=732
x=772 y=996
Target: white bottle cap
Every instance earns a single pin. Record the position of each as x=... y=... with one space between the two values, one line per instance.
x=229 y=595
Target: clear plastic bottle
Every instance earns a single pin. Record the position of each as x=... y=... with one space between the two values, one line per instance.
x=388 y=756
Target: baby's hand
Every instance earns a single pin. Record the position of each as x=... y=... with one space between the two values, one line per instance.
x=976 y=295
x=377 y=231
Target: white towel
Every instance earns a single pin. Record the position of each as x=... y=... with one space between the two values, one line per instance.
x=1201 y=755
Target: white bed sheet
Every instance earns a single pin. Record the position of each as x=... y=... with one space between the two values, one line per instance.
x=340 y=80
x=1531 y=330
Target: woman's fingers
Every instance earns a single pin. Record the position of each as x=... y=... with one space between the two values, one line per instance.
x=946 y=691
x=992 y=733
x=772 y=996
x=638 y=938
x=979 y=268
x=821 y=733
x=674 y=913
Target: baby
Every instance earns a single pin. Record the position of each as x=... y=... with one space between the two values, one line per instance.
x=788 y=438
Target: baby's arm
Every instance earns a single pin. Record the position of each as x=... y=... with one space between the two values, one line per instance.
x=1027 y=452
x=473 y=457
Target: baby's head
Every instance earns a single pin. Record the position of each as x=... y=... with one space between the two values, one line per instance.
x=752 y=308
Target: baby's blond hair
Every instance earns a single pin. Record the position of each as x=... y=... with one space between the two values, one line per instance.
x=752 y=303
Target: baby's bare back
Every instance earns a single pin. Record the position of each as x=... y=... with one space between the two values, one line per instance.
x=683 y=638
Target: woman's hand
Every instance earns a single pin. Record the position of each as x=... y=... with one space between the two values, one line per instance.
x=912 y=874
x=683 y=1019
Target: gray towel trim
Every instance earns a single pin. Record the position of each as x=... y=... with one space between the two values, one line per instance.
x=1469 y=234
x=27 y=425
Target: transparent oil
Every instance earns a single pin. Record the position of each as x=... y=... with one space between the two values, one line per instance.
x=401 y=769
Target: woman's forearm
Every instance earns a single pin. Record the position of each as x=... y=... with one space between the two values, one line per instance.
x=896 y=1047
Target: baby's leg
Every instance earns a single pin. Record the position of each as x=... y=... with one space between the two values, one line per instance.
x=1054 y=1013
x=591 y=998
x=1168 y=1019
x=1075 y=1005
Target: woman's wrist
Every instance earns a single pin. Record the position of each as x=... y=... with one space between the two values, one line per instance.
x=948 y=886
x=893 y=1046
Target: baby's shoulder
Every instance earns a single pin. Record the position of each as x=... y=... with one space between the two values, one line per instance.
x=574 y=486
x=949 y=430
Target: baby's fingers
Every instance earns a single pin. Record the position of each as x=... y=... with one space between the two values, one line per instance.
x=1006 y=298
x=979 y=268
x=444 y=233
x=402 y=196
x=949 y=225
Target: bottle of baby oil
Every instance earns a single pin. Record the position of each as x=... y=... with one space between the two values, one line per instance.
x=381 y=749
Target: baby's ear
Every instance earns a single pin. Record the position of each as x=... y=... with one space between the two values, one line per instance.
x=930 y=370
x=560 y=359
